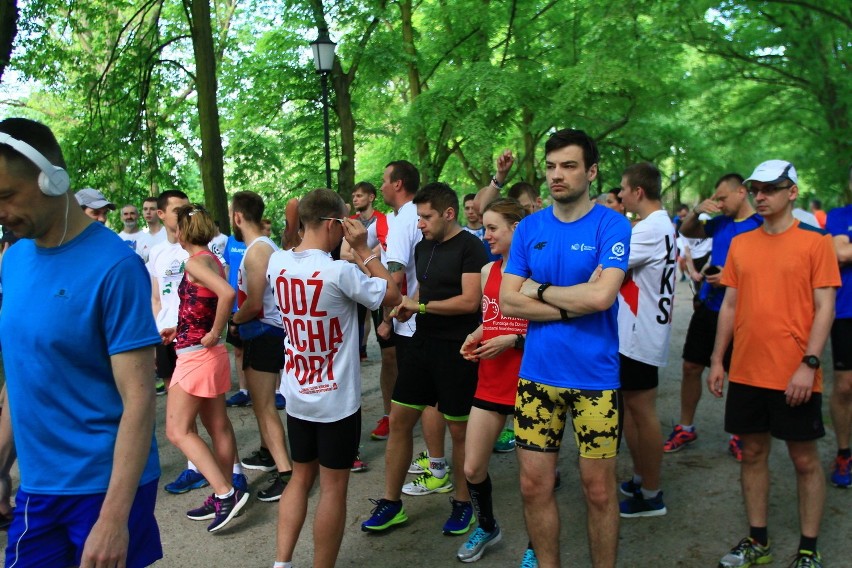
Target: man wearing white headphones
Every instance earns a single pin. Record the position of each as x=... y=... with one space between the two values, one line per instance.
x=92 y=503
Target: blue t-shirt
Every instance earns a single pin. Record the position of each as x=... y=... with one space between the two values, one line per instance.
x=66 y=310
x=839 y=222
x=723 y=229
x=234 y=252
x=581 y=353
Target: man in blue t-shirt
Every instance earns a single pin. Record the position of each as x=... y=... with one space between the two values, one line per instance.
x=81 y=421
x=233 y=256
x=737 y=216
x=566 y=265
x=839 y=224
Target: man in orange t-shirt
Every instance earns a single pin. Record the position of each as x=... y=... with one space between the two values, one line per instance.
x=781 y=280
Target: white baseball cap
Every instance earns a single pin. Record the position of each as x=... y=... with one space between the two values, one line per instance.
x=774 y=171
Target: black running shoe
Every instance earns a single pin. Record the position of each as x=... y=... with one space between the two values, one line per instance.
x=274 y=490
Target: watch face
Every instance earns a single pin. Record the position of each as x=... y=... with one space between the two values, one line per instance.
x=811 y=361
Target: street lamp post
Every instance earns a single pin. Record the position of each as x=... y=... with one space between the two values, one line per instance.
x=323 y=49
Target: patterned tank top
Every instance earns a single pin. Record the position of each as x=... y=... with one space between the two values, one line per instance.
x=197 y=308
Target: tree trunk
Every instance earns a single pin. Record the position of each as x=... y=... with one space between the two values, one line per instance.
x=8 y=31
x=212 y=161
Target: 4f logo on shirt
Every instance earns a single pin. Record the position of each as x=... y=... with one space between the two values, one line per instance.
x=540 y=245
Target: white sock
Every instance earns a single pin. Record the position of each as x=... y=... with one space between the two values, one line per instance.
x=637 y=479
x=244 y=391
x=226 y=495
x=190 y=465
x=688 y=427
x=438 y=466
x=283 y=565
x=650 y=493
x=238 y=468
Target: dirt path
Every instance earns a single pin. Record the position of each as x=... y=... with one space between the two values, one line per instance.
x=701 y=486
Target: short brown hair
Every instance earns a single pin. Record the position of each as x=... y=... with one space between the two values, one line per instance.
x=195 y=224
x=320 y=203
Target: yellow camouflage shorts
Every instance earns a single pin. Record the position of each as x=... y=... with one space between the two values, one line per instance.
x=540 y=412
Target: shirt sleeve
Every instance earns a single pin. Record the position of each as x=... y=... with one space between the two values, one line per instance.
x=400 y=243
x=834 y=223
x=366 y=290
x=126 y=318
x=614 y=250
x=826 y=271
x=729 y=271
x=712 y=225
x=643 y=245
x=475 y=257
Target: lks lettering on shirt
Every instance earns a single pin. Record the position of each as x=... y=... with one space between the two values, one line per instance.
x=667 y=284
x=314 y=336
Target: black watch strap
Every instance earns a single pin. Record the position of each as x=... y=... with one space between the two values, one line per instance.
x=541 y=290
x=811 y=361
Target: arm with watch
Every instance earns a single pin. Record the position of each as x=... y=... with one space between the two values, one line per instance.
x=801 y=384
x=492 y=191
x=465 y=303
x=542 y=301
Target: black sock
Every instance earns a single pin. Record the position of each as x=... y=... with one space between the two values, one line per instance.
x=480 y=494
x=529 y=545
x=844 y=453
x=759 y=535
x=285 y=475
x=807 y=543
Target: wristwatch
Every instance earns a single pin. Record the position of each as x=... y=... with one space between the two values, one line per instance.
x=422 y=307
x=811 y=361
x=520 y=340
x=541 y=290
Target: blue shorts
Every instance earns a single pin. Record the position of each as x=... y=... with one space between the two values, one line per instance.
x=50 y=530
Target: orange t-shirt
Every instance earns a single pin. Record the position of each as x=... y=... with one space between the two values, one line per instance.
x=775 y=276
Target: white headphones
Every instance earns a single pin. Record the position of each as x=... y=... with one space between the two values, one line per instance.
x=52 y=180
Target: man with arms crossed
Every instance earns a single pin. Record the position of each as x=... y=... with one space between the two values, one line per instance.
x=87 y=493
x=258 y=323
x=322 y=379
x=571 y=357
x=781 y=281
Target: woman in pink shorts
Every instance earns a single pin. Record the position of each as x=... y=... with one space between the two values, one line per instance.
x=202 y=375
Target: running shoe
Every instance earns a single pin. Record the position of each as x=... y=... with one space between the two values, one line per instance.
x=477 y=542
x=461 y=518
x=358 y=465
x=239 y=398
x=420 y=463
x=240 y=481
x=746 y=553
x=385 y=514
x=630 y=488
x=807 y=559
x=529 y=560
x=188 y=480
x=160 y=386
x=205 y=512
x=273 y=490
x=638 y=506
x=505 y=442
x=227 y=509
x=840 y=474
x=382 y=429
x=426 y=484
x=735 y=448
x=678 y=439
x=260 y=460
x=280 y=401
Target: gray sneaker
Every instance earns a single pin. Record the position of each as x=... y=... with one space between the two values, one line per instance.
x=479 y=540
x=747 y=553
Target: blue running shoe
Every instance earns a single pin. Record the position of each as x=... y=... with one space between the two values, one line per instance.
x=477 y=542
x=186 y=481
x=638 y=506
x=239 y=398
x=840 y=473
x=240 y=481
x=385 y=515
x=280 y=401
x=461 y=518
x=529 y=560
x=630 y=488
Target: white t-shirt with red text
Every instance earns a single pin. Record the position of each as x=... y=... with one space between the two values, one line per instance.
x=317 y=297
x=645 y=300
x=268 y=312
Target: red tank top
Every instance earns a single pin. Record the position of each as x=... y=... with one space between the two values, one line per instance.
x=197 y=310
x=498 y=377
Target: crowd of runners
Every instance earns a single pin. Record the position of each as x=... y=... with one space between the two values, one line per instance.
x=504 y=331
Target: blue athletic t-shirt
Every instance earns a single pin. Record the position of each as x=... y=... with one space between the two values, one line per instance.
x=839 y=222
x=581 y=353
x=233 y=255
x=723 y=229
x=66 y=310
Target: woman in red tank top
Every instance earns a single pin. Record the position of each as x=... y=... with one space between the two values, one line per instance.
x=498 y=346
x=202 y=375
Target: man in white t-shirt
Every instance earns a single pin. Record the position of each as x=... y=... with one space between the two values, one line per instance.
x=218 y=243
x=138 y=241
x=644 y=326
x=322 y=378
x=154 y=228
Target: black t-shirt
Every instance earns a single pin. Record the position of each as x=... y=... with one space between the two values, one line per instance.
x=439 y=273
